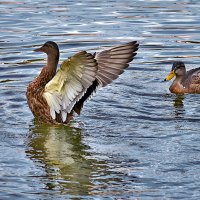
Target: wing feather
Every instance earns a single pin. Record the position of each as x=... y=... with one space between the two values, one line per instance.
x=70 y=83
x=192 y=77
x=112 y=62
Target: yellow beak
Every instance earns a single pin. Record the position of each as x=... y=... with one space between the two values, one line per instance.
x=170 y=75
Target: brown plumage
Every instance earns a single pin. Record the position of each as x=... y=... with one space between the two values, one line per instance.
x=185 y=81
x=54 y=96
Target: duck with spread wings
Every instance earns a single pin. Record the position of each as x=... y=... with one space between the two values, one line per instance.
x=55 y=95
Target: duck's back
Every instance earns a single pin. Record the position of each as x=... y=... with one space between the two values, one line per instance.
x=192 y=81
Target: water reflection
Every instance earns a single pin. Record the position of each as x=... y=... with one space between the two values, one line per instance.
x=178 y=101
x=179 y=106
x=69 y=166
x=61 y=152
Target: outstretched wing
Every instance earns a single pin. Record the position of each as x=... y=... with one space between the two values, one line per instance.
x=112 y=62
x=70 y=83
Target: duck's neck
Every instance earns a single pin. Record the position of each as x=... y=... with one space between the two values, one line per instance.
x=48 y=71
x=179 y=78
x=52 y=62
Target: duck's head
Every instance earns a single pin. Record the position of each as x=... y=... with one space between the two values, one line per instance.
x=49 y=48
x=178 y=69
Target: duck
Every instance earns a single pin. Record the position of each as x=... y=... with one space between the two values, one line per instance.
x=185 y=81
x=56 y=95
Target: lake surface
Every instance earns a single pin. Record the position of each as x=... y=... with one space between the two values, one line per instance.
x=134 y=139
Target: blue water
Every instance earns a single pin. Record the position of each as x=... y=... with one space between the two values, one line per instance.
x=133 y=140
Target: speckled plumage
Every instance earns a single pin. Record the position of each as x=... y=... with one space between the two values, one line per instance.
x=36 y=102
x=55 y=95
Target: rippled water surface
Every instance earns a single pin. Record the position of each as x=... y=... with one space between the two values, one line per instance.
x=133 y=140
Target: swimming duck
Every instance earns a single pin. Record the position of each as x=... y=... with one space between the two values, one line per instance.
x=54 y=96
x=185 y=81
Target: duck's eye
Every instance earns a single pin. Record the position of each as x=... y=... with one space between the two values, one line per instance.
x=50 y=46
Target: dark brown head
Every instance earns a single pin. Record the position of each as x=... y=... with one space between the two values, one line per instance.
x=49 y=48
x=178 y=69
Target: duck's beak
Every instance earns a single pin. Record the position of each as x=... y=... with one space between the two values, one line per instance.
x=38 y=49
x=170 y=76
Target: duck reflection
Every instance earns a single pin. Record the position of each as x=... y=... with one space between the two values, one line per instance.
x=178 y=103
x=177 y=100
x=60 y=150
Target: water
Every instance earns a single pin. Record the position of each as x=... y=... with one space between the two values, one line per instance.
x=133 y=140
